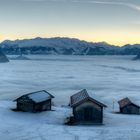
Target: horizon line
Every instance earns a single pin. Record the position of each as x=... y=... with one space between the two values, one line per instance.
x=69 y=38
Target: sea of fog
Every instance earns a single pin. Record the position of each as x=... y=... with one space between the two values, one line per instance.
x=108 y=77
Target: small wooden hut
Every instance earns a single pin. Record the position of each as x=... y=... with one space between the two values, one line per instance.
x=86 y=109
x=128 y=107
x=35 y=102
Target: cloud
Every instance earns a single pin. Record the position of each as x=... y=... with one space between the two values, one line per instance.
x=129 y=5
x=126 y=4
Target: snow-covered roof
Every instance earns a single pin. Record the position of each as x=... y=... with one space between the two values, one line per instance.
x=127 y=101
x=38 y=96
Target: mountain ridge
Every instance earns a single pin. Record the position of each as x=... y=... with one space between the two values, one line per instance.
x=65 y=46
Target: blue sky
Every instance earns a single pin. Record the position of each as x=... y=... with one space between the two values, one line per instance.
x=114 y=21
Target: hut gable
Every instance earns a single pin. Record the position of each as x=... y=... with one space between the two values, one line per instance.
x=83 y=96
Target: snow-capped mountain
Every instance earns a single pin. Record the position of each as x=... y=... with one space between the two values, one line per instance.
x=65 y=46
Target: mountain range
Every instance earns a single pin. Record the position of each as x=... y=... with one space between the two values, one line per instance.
x=65 y=46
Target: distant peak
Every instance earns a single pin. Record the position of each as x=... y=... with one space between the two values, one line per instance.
x=38 y=38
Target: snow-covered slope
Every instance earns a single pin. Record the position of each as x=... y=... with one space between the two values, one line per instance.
x=49 y=125
x=66 y=46
x=20 y=57
x=137 y=57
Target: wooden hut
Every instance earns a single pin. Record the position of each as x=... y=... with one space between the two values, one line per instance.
x=35 y=101
x=86 y=109
x=128 y=107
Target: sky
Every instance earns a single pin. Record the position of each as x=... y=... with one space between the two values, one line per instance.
x=114 y=21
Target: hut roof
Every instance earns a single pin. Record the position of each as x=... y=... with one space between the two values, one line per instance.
x=126 y=101
x=38 y=96
x=82 y=96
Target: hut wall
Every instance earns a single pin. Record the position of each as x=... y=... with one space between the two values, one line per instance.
x=25 y=106
x=130 y=109
x=30 y=106
x=88 y=112
x=46 y=105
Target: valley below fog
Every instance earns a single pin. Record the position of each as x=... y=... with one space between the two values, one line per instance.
x=109 y=78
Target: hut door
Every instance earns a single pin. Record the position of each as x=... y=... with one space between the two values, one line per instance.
x=88 y=113
x=38 y=107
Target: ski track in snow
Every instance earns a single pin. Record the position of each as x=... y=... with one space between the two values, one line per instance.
x=120 y=68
